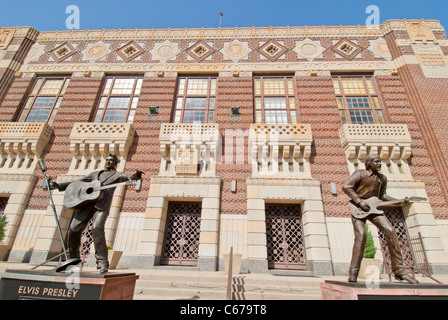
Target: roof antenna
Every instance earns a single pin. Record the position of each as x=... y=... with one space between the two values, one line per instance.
x=220 y=19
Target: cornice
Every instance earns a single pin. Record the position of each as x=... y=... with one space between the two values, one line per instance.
x=231 y=33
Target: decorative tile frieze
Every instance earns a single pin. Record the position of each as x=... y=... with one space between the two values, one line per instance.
x=272 y=50
x=308 y=49
x=165 y=51
x=347 y=49
x=62 y=52
x=36 y=51
x=380 y=49
x=130 y=51
x=200 y=51
x=6 y=35
x=236 y=50
x=96 y=51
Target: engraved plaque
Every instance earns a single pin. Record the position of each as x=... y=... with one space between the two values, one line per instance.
x=187 y=162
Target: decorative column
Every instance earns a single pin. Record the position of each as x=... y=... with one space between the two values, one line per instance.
x=21 y=144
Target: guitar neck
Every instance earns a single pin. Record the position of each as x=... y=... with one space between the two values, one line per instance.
x=128 y=183
x=391 y=202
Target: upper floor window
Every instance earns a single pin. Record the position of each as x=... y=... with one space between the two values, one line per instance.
x=275 y=100
x=119 y=99
x=357 y=100
x=195 y=100
x=44 y=99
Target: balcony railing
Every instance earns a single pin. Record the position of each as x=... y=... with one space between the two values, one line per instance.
x=280 y=150
x=21 y=143
x=189 y=149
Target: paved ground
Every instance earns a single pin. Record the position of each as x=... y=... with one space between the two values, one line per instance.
x=169 y=284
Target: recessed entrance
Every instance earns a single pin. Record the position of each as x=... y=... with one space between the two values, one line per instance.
x=181 y=241
x=285 y=240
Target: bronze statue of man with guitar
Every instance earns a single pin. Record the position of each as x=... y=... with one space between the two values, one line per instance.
x=366 y=188
x=89 y=195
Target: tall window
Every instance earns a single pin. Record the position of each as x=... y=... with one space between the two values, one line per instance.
x=275 y=100
x=357 y=100
x=44 y=99
x=196 y=97
x=119 y=99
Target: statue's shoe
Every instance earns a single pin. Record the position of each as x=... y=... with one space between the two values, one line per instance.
x=68 y=263
x=407 y=278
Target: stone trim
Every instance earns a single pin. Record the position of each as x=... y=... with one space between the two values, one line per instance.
x=232 y=33
x=280 y=150
x=165 y=189
x=21 y=144
x=189 y=149
x=308 y=194
x=391 y=141
x=91 y=142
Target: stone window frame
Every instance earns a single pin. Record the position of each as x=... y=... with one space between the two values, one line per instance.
x=292 y=114
x=36 y=93
x=375 y=103
x=107 y=95
x=180 y=101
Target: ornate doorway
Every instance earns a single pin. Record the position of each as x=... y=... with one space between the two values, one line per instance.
x=285 y=240
x=181 y=241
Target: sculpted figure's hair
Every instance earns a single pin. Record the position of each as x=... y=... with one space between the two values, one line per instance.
x=369 y=160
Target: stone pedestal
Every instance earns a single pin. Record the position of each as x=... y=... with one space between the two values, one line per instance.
x=38 y=285
x=339 y=290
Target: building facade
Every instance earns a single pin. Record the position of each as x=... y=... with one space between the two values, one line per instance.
x=246 y=137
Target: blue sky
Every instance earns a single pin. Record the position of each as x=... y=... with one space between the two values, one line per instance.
x=45 y=15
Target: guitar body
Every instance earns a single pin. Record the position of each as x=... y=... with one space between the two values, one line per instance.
x=375 y=206
x=79 y=193
x=358 y=213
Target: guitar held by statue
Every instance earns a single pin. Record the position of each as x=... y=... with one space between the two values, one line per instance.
x=375 y=205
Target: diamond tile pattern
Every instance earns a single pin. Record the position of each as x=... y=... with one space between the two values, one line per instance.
x=200 y=51
x=347 y=49
x=63 y=52
x=130 y=51
x=272 y=50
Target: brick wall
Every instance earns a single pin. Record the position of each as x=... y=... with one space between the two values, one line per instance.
x=144 y=153
x=317 y=104
x=77 y=106
x=399 y=110
x=234 y=91
x=15 y=99
x=426 y=100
